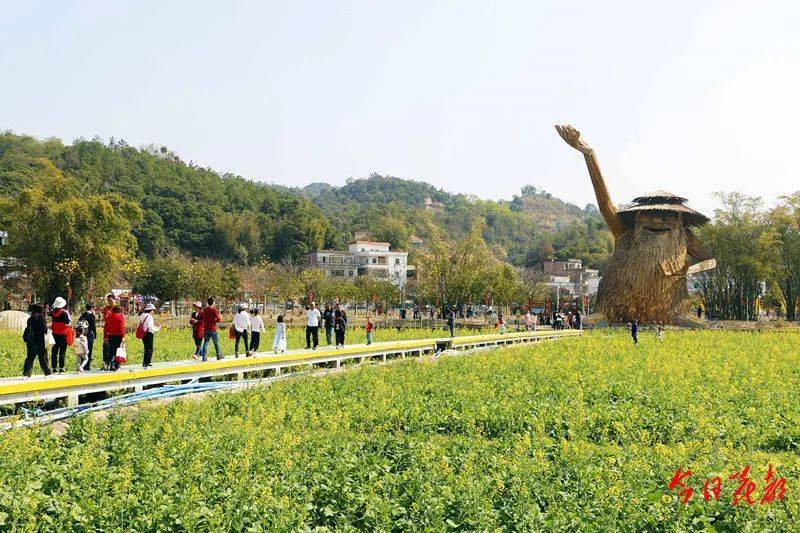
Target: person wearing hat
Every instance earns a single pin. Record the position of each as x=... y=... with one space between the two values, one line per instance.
x=35 y=330
x=148 y=325
x=196 y=321
x=87 y=320
x=60 y=321
x=241 y=323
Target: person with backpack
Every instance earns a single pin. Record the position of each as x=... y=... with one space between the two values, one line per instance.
x=145 y=331
x=35 y=331
x=88 y=322
x=60 y=325
x=196 y=321
x=339 y=326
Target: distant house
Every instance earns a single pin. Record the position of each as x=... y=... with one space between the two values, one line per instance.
x=416 y=242
x=363 y=258
x=571 y=275
x=430 y=203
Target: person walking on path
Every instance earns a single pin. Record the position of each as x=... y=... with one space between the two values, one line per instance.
x=339 y=326
x=60 y=324
x=578 y=320
x=114 y=328
x=256 y=327
x=369 y=328
x=210 y=320
x=501 y=323
x=35 y=330
x=81 y=346
x=148 y=326
x=528 y=320
x=279 y=340
x=451 y=322
x=107 y=310
x=635 y=331
x=312 y=326
x=90 y=328
x=241 y=324
x=196 y=321
x=327 y=319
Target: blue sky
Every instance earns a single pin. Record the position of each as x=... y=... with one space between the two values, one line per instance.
x=692 y=97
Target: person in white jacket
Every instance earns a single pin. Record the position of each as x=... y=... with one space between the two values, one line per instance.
x=279 y=341
x=241 y=324
x=256 y=327
x=148 y=325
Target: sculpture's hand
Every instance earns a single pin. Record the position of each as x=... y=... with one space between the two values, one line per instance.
x=573 y=138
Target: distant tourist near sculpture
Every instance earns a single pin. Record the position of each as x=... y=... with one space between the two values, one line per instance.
x=645 y=279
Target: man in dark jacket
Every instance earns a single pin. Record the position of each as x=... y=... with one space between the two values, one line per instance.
x=635 y=331
x=451 y=321
x=34 y=334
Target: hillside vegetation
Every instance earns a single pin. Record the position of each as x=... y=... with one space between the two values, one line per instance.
x=582 y=434
x=202 y=213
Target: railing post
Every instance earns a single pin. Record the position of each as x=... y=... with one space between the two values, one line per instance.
x=72 y=400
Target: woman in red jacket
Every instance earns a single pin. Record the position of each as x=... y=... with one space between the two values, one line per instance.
x=60 y=321
x=198 y=329
x=114 y=329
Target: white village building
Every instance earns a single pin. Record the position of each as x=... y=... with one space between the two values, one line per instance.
x=363 y=258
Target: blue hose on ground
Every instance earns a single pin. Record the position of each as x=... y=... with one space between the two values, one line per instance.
x=33 y=416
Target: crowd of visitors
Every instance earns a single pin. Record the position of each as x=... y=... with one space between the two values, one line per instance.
x=245 y=330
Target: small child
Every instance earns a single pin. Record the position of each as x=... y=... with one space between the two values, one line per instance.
x=501 y=323
x=81 y=346
x=660 y=330
x=279 y=341
x=369 y=327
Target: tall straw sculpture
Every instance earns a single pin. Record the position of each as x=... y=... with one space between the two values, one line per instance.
x=645 y=278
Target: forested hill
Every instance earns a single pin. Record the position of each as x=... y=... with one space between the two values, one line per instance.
x=203 y=213
x=519 y=230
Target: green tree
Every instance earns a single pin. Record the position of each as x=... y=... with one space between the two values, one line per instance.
x=167 y=278
x=206 y=279
x=68 y=241
x=459 y=272
x=503 y=284
x=746 y=248
x=310 y=285
x=785 y=219
x=392 y=230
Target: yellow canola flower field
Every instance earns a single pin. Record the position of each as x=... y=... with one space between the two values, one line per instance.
x=580 y=434
x=176 y=344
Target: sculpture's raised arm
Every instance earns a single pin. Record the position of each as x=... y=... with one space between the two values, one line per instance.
x=607 y=207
